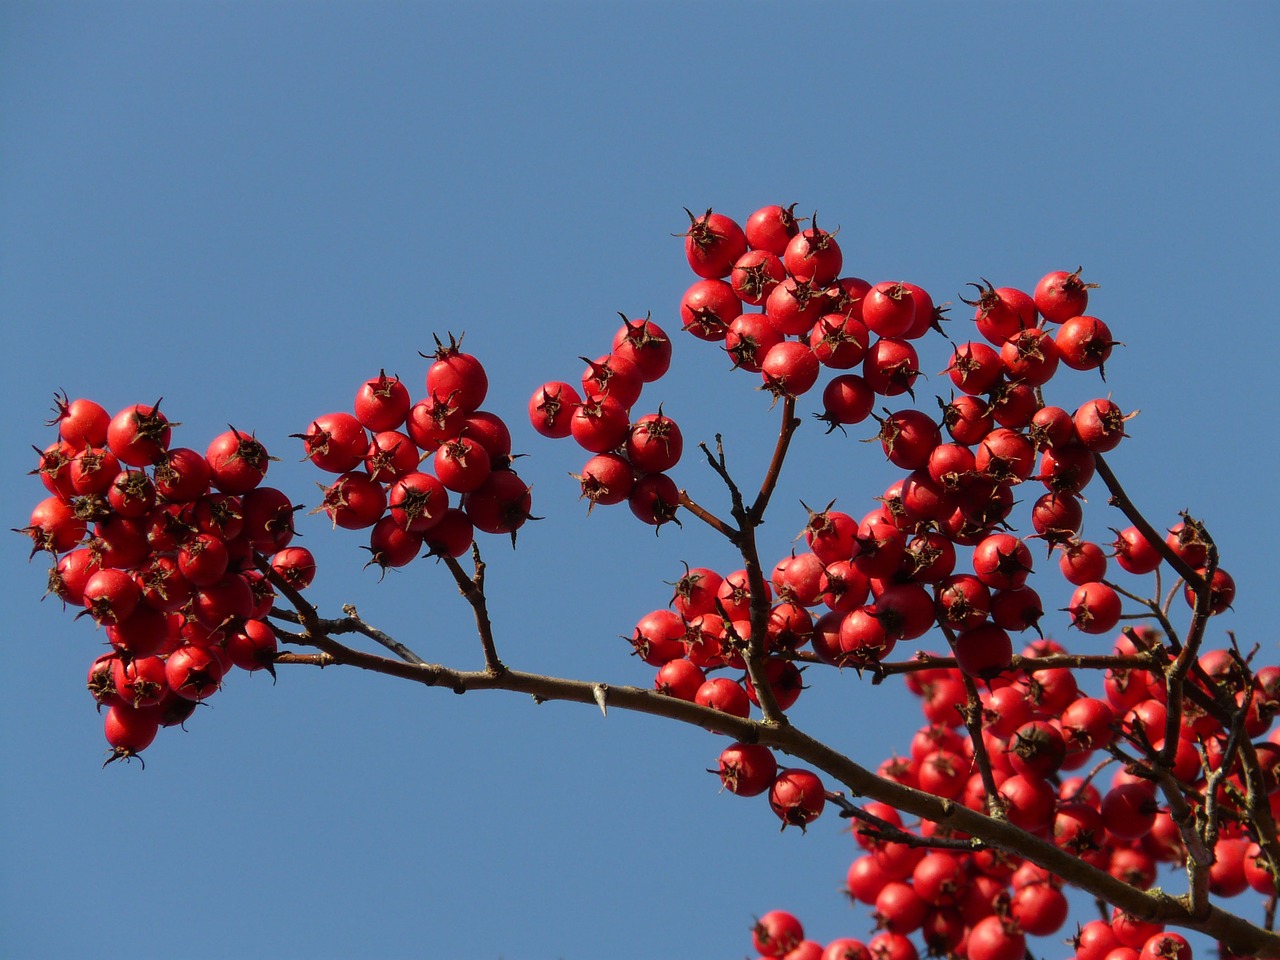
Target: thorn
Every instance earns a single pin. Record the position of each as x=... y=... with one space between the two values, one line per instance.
x=601 y=692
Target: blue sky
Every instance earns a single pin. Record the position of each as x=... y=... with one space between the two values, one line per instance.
x=250 y=208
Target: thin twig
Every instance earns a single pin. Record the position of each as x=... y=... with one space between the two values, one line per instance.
x=790 y=423
x=472 y=589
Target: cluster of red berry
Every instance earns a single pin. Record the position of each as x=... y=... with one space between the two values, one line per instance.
x=892 y=576
x=380 y=452
x=631 y=459
x=1035 y=729
x=168 y=549
x=160 y=545
x=810 y=316
x=779 y=934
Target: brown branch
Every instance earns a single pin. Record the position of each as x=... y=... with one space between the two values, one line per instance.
x=1121 y=499
x=790 y=423
x=1241 y=935
x=709 y=518
x=928 y=661
x=472 y=589
x=971 y=714
x=880 y=829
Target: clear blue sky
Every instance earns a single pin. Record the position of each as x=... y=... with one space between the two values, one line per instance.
x=250 y=208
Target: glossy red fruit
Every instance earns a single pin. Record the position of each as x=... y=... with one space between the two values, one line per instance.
x=984 y=650
x=237 y=461
x=451 y=535
x=268 y=518
x=1061 y=295
x=789 y=369
x=500 y=505
x=92 y=471
x=434 y=419
x=54 y=468
x=54 y=526
x=231 y=598
x=600 y=424
x=391 y=545
x=713 y=243
x=707 y=308
x=390 y=456
x=908 y=438
x=839 y=341
x=551 y=408
x=725 y=695
x=1100 y=424
x=145 y=632
x=111 y=596
x=994 y=938
x=794 y=306
x=1082 y=561
x=846 y=400
x=458 y=376
x=1222 y=591
x=1002 y=561
x=203 y=559
x=194 y=673
x=747 y=769
x=777 y=933
x=813 y=255
x=382 y=403
x=771 y=228
x=354 y=501
x=1129 y=810
x=754 y=276
x=1001 y=312
x=1134 y=552
x=612 y=376
x=335 y=442
x=1084 y=343
x=297 y=565
x=1030 y=356
x=1067 y=469
x=607 y=478
x=1014 y=404
x=1030 y=802
x=891 y=366
x=129 y=730
x=797 y=797
x=646 y=345
x=253 y=646
x=658 y=637
x=80 y=422
x=749 y=337
x=975 y=368
x=680 y=678
x=139 y=434
x=139 y=681
x=927 y=315
x=417 y=501
x=967 y=419
x=654 y=499
x=654 y=443
x=889 y=309
x=962 y=602
x=1094 y=608
x=462 y=464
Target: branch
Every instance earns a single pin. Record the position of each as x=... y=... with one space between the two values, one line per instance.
x=1121 y=499
x=790 y=423
x=709 y=518
x=472 y=589
x=1239 y=934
